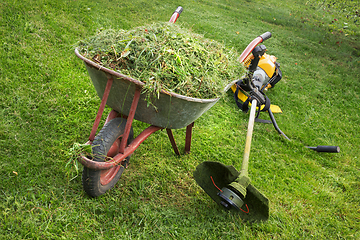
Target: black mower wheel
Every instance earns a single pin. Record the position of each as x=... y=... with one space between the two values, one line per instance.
x=105 y=145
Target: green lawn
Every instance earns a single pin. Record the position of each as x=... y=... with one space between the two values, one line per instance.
x=48 y=103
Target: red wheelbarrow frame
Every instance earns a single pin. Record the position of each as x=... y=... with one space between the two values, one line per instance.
x=125 y=151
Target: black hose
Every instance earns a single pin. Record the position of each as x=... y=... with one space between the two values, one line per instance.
x=275 y=124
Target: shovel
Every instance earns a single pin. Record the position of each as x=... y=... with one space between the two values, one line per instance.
x=232 y=189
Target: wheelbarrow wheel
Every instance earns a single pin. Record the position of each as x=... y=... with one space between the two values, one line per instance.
x=105 y=145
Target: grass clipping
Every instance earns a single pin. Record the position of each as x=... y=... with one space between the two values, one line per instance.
x=166 y=56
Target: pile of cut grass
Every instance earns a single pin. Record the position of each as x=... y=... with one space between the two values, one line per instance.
x=166 y=56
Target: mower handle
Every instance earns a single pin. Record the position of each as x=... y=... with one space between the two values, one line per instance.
x=176 y=14
x=253 y=44
x=265 y=36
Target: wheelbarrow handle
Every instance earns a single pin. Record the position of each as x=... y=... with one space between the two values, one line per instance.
x=176 y=14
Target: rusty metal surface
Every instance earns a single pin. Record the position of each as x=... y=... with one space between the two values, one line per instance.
x=91 y=164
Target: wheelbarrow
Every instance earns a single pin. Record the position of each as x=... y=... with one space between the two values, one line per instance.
x=113 y=145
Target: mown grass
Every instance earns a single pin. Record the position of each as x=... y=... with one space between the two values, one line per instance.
x=48 y=103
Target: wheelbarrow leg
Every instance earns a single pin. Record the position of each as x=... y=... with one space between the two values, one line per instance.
x=172 y=140
x=188 y=137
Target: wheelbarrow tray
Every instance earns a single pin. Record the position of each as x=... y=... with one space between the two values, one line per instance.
x=170 y=110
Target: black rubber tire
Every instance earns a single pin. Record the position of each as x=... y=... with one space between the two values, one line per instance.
x=91 y=181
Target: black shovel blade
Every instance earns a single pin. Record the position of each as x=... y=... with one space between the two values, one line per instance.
x=212 y=176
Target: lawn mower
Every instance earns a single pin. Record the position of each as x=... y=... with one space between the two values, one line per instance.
x=224 y=184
